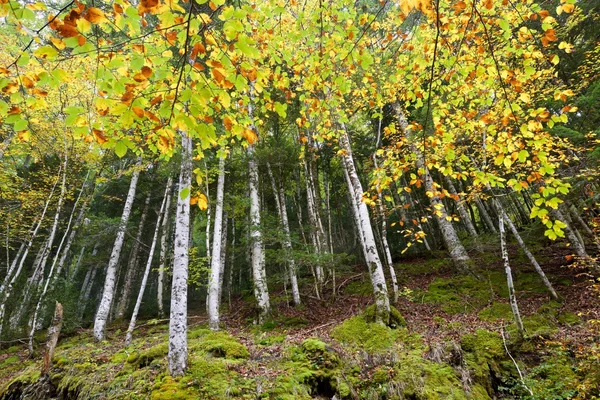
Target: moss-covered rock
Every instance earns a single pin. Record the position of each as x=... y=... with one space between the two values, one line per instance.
x=370 y=336
x=496 y=311
x=218 y=344
x=396 y=319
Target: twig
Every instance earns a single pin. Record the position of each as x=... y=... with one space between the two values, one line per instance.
x=514 y=362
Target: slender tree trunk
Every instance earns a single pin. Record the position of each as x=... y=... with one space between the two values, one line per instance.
x=52 y=338
x=509 y=280
x=77 y=263
x=138 y=302
x=208 y=217
x=455 y=248
x=86 y=294
x=579 y=248
x=380 y=291
x=111 y=271
x=132 y=265
x=585 y=226
x=58 y=251
x=313 y=218
x=231 y=263
x=215 y=261
x=163 y=251
x=223 y=258
x=485 y=216
x=464 y=215
x=502 y=213
x=178 y=352
x=279 y=195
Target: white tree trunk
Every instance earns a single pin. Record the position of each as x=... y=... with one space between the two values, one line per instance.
x=49 y=279
x=485 y=216
x=502 y=213
x=455 y=248
x=215 y=261
x=509 y=280
x=178 y=354
x=316 y=226
x=279 y=196
x=138 y=302
x=583 y=224
x=132 y=264
x=464 y=215
x=380 y=291
x=261 y=292
x=111 y=271
x=223 y=258
x=163 y=251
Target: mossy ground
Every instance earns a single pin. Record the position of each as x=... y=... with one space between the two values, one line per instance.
x=445 y=341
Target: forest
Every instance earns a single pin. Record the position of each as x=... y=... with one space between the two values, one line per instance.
x=299 y=199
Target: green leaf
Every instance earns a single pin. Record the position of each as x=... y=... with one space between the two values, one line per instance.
x=184 y=194
x=120 y=149
x=47 y=52
x=20 y=125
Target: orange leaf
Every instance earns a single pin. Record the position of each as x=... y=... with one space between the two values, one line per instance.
x=139 y=111
x=14 y=110
x=117 y=8
x=67 y=31
x=146 y=71
x=147 y=6
x=228 y=122
x=249 y=135
x=27 y=82
x=99 y=135
x=219 y=77
x=81 y=40
x=94 y=15
x=155 y=100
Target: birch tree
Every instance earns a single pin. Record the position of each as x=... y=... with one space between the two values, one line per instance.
x=109 y=281
x=215 y=279
x=178 y=352
x=363 y=223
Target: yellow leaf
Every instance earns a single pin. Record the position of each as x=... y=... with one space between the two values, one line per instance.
x=94 y=15
x=202 y=202
x=524 y=97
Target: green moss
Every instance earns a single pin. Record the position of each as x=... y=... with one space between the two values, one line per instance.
x=154 y=352
x=483 y=354
x=9 y=361
x=170 y=389
x=568 y=318
x=457 y=294
x=555 y=378
x=359 y=288
x=271 y=340
x=294 y=322
x=359 y=333
x=496 y=311
x=396 y=319
x=218 y=344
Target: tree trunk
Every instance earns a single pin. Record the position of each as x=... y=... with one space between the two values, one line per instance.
x=315 y=233
x=178 y=353
x=261 y=292
x=279 y=196
x=455 y=248
x=509 y=280
x=163 y=251
x=585 y=226
x=485 y=216
x=111 y=271
x=52 y=338
x=138 y=302
x=132 y=265
x=502 y=213
x=464 y=215
x=363 y=222
x=215 y=261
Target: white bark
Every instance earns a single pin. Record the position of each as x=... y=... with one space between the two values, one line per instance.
x=133 y=262
x=314 y=219
x=163 y=251
x=50 y=240
x=279 y=195
x=215 y=261
x=138 y=302
x=502 y=213
x=585 y=226
x=509 y=280
x=111 y=271
x=485 y=216
x=261 y=291
x=223 y=258
x=178 y=354
x=363 y=222
x=462 y=211
x=457 y=251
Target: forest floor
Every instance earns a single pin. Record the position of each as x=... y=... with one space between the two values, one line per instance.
x=455 y=339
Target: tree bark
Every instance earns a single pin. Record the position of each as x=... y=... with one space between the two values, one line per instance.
x=215 y=261
x=138 y=302
x=464 y=215
x=261 y=292
x=52 y=338
x=363 y=222
x=178 y=352
x=279 y=196
x=502 y=213
x=163 y=251
x=509 y=280
x=132 y=265
x=457 y=251
x=111 y=271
